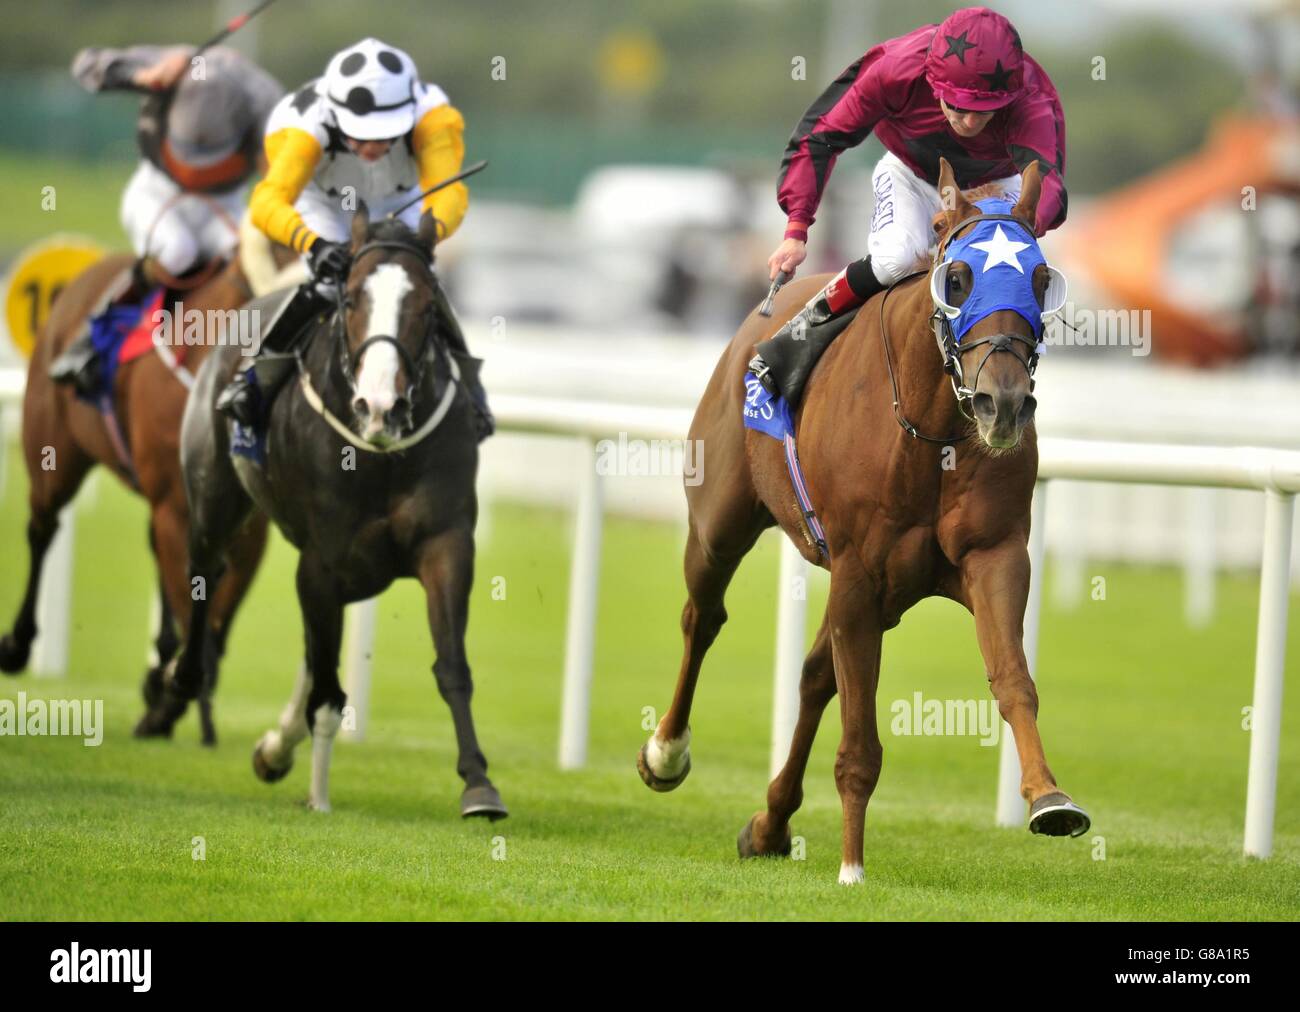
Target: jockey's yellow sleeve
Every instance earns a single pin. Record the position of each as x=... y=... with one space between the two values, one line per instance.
x=439 y=147
x=292 y=155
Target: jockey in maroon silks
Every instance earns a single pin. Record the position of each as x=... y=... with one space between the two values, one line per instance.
x=964 y=90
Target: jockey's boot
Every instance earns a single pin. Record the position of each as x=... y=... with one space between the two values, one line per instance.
x=784 y=362
x=248 y=395
x=79 y=362
x=468 y=364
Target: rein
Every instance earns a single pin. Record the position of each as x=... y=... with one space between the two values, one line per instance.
x=949 y=347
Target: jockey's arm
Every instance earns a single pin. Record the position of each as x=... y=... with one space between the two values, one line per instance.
x=1035 y=134
x=137 y=68
x=439 y=147
x=293 y=155
x=842 y=117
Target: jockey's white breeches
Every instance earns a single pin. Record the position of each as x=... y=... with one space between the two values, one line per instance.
x=180 y=230
x=902 y=231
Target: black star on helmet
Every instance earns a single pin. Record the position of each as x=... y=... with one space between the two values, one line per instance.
x=957 y=46
x=999 y=80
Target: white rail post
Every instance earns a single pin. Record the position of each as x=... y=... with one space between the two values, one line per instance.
x=54 y=602
x=1270 y=658
x=791 y=621
x=1011 y=806
x=1199 y=558
x=358 y=656
x=580 y=636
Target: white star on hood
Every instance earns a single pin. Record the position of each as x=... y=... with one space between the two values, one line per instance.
x=1001 y=250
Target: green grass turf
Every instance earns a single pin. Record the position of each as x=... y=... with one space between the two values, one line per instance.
x=1141 y=720
x=87 y=198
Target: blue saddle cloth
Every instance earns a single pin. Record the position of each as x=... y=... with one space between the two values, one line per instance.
x=765 y=413
x=108 y=332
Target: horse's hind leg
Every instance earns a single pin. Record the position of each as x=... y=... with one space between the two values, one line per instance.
x=56 y=470
x=769 y=832
x=322 y=620
x=665 y=760
x=446 y=569
x=166 y=643
x=243 y=557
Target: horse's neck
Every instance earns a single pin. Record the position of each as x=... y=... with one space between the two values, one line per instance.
x=925 y=396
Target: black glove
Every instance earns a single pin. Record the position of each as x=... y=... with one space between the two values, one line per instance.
x=329 y=261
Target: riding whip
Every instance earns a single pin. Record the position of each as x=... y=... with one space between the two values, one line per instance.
x=463 y=174
x=765 y=308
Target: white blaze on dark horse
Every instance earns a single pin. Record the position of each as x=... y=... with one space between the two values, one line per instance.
x=407 y=508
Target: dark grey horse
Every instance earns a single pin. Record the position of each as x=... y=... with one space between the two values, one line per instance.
x=385 y=494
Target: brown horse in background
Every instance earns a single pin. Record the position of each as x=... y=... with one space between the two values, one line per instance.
x=64 y=437
x=905 y=518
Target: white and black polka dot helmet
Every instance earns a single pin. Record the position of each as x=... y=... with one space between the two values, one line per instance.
x=371 y=88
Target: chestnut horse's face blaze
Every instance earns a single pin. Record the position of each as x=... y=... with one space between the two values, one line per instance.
x=993 y=292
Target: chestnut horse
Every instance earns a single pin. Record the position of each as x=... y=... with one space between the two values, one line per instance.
x=64 y=437
x=938 y=509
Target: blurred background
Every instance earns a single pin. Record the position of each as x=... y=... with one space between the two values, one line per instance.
x=621 y=231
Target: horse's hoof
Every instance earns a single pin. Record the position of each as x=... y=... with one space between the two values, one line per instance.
x=654 y=782
x=153 y=726
x=483 y=802
x=1056 y=815
x=13 y=657
x=152 y=688
x=209 y=739
x=264 y=771
x=746 y=846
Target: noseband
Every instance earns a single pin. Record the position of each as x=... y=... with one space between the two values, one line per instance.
x=949 y=348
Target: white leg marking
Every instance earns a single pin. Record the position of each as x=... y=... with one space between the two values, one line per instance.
x=322 y=742
x=852 y=874
x=277 y=745
x=667 y=758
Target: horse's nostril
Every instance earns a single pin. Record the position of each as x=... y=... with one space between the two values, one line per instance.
x=985 y=409
x=361 y=407
x=1026 y=413
x=400 y=412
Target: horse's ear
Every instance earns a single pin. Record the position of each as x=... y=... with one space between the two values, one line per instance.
x=1031 y=187
x=427 y=232
x=360 y=225
x=956 y=207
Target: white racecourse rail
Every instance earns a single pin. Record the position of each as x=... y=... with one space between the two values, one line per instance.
x=1274 y=472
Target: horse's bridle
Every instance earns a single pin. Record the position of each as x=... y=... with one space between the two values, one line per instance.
x=415 y=365
x=949 y=347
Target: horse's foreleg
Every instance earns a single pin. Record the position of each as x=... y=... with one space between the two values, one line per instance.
x=273 y=754
x=446 y=569
x=322 y=621
x=51 y=490
x=853 y=614
x=995 y=584
x=769 y=832
x=665 y=760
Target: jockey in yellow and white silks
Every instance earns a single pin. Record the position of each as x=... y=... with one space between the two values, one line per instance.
x=369 y=131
